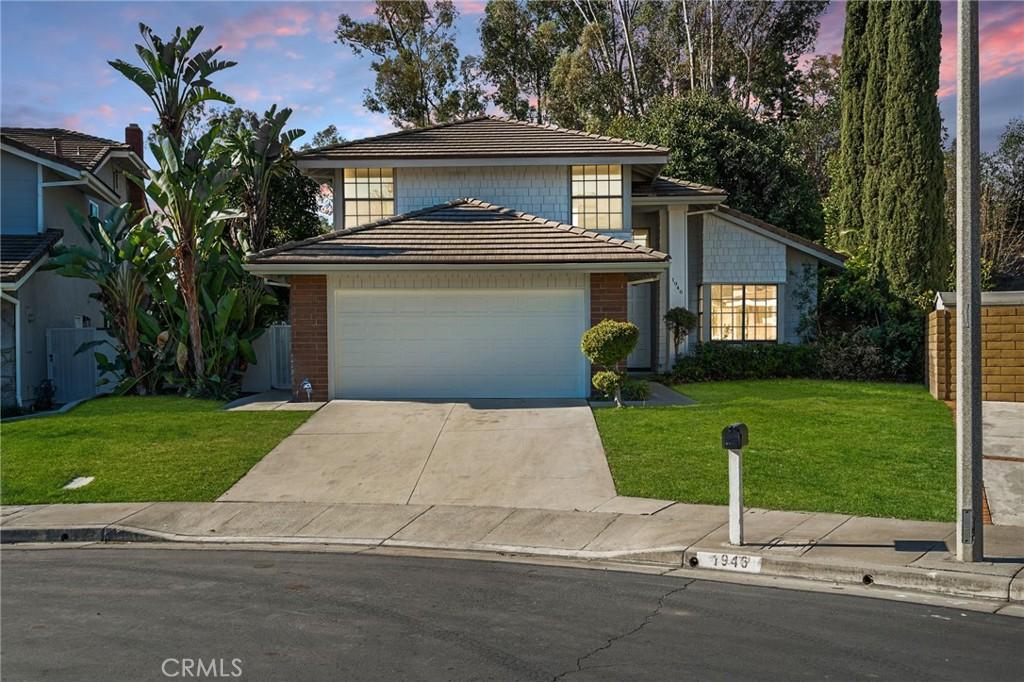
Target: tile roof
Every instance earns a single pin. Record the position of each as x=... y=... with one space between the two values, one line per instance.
x=814 y=246
x=78 y=150
x=460 y=232
x=483 y=137
x=19 y=252
x=673 y=187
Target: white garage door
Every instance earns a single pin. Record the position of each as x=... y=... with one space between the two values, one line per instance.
x=459 y=343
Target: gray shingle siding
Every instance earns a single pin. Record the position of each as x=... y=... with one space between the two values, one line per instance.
x=539 y=190
x=738 y=256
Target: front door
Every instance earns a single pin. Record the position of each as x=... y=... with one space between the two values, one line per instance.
x=638 y=310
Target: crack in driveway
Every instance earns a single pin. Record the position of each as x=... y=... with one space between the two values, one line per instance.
x=608 y=644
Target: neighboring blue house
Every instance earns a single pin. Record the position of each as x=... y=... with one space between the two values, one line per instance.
x=43 y=171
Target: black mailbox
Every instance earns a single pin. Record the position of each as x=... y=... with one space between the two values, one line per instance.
x=734 y=436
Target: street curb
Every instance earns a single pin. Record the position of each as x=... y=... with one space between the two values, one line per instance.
x=1005 y=588
x=935 y=581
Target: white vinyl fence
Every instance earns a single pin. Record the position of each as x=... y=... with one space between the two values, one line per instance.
x=75 y=375
x=273 y=368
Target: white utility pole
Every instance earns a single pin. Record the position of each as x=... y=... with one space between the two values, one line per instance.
x=969 y=540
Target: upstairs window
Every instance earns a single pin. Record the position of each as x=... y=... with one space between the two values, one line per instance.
x=94 y=209
x=744 y=312
x=597 y=197
x=369 y=195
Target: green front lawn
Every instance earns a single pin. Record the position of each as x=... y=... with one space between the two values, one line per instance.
x=139 y=449
x=868 y=449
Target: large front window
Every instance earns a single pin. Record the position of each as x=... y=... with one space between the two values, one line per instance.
x=597 y=197
x=744 y=312
x=369 y=195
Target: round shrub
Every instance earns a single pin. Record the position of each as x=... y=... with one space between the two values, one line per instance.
x=607 y=383
x=608 y=342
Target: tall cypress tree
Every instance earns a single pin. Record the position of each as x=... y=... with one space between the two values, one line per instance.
x=876 y=42
x=912 y=239
x=846 y=224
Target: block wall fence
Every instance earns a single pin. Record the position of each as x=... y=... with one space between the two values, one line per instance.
x=1002 y=353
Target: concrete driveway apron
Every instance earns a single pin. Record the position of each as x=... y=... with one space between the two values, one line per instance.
x=541 y=454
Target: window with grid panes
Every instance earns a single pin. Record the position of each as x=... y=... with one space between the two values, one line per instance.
x=597 y=197
x=369 y=195
x=744 y=312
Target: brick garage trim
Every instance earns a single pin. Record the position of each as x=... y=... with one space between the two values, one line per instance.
x=608 y=296
x=1002 y=353
x=607 y=299
x=308 y=312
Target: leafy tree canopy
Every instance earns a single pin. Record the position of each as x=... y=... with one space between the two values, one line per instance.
x=419 y=78
x=719 y=144
x=324 y=138
x=520 y=43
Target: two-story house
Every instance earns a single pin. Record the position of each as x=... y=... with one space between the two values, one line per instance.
x=467 y=260
x=43 y=171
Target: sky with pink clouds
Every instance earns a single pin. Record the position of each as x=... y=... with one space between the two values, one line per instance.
x=54 y=72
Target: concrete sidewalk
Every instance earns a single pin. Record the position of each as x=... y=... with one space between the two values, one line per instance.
x=826 y=547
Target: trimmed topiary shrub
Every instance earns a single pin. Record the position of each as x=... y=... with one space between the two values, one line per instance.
x=607 y=344
x=606 y=383
x=680 y=321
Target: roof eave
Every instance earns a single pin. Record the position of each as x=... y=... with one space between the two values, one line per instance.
x=15 y=284
x=257 y=268
x=836 y=260
x=625 y=158
x=645 y=200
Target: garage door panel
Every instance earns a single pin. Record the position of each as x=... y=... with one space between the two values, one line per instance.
x=459 y=343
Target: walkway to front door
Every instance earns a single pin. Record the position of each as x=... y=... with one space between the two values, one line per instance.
x=543 y=454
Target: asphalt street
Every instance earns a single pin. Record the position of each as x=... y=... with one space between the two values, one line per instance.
x=158 y=614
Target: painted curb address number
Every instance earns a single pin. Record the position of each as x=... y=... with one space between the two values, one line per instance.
x=726 y=561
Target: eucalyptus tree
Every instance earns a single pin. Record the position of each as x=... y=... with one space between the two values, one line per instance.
x=419 y=77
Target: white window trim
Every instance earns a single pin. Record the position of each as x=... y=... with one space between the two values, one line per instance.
x=339 y=191
x=625 y=190
x=708 y=299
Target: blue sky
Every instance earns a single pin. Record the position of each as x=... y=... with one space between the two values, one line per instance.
x=54 y=73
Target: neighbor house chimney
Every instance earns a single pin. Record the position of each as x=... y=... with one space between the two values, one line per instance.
x=133 y=138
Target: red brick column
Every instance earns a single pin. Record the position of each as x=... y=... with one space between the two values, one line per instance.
x=607 y=296
x=308 y=312
x=607 y=300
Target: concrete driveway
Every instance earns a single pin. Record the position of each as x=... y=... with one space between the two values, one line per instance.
x=543 y=454
x=1003 y=466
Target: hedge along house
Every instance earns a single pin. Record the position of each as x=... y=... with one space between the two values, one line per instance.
x=467 y=259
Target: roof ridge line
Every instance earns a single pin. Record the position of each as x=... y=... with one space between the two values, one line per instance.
x=561 y=226
x=393 y=133
x=690 y=183
x=582 y=133
x=67 y=131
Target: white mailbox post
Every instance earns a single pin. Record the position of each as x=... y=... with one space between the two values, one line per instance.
x=734 y=438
